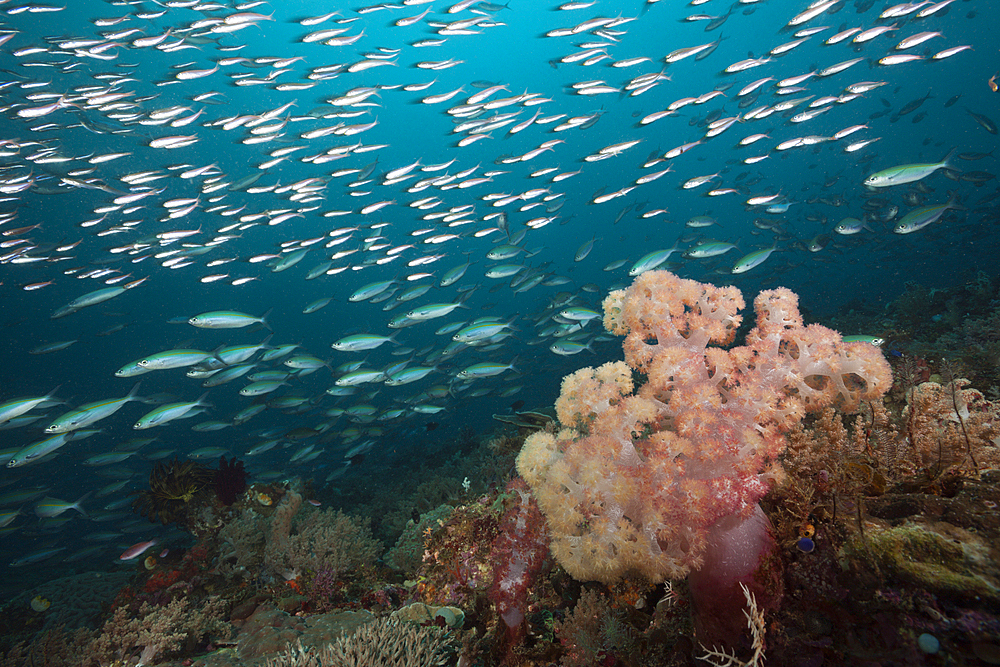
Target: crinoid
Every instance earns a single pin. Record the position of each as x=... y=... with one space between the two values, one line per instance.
x=172 y=488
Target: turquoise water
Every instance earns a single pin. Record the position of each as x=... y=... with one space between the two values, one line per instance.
x=60 y=153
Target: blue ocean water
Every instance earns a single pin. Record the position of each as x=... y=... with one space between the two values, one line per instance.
x=509 y=47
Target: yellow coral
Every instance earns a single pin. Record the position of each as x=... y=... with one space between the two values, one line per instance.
x=613 y=317
x=536 y=456
x=588 y=392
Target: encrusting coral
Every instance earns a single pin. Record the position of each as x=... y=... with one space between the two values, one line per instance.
x=665 y=479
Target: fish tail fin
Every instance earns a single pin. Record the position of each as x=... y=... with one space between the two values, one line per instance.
x=265 y=344
x=263 y=319
x=215 y=355
x=78 y=505
x=51 y=397
x=946 y=162
x=134 y=392
x=953 y=202
x=201 y=401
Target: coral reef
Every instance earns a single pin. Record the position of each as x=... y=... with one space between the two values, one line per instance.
x=269 y=631
x=329 y=541
x=456 y=563
x=951 y=427
x=153 y=631
x=408 y=552
x=320 y=541
x=384 y=641
x=666 y=479
x=518 y=554
x=636 y=481
x=595 y=632
x=172 y=488
x=242 y=539
x=51 y=648
x=278 y=532
x=877 y=528
x=417 y=646
x=190 y=494
x=76 y=600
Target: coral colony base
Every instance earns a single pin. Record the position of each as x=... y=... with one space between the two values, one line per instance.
x=665 y=480
x=691 y=502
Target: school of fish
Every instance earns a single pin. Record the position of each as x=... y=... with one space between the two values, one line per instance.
x=299 y=239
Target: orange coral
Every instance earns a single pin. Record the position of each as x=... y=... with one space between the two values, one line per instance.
x=647 y=475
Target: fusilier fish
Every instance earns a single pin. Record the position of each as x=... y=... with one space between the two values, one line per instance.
x=48 y=508
x=753 y=259
x=171 y=411
x=227 y=319
x=906 y=173
x=360 y=342
x=919 y=218
x=485 y=369
x=19 y=406
x=651 y=261
x=91 y=413
x=173 y=359
x=38 y=450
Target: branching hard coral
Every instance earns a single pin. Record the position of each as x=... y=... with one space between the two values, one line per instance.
x=155 y=631
x=388 y=641
x=242 y=540
x=384 y=641
x=332 y=541
x=49 y=648
x=314 y=541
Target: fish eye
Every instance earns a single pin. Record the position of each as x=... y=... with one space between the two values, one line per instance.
x=144 y=362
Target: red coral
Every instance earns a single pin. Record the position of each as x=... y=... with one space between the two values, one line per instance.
x=162 y=580
x=197 y=555
x=125 y=595
x=518 y=552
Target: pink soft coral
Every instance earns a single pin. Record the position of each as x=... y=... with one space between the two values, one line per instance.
x=666 y=479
